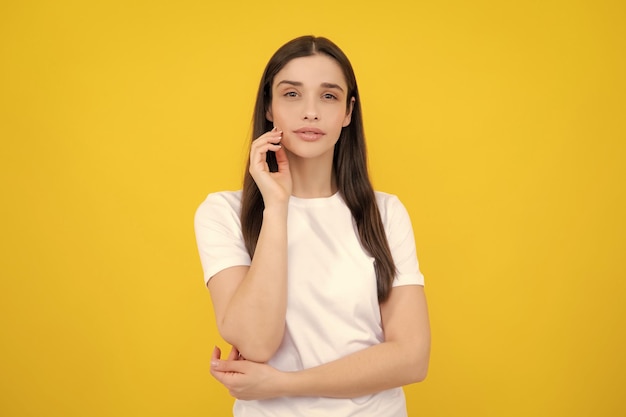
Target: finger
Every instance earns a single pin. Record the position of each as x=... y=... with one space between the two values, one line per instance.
x=258 y=157
x=217 y=354
x=274 y=136
x=260 y=149
x=281 y=160
x=263 y=144
x=239 y=367
x=219 y=376
x=233 y=355
x=274 y=133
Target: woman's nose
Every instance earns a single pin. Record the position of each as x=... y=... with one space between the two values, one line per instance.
x=311 y=111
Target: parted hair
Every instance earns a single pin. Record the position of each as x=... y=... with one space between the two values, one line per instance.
x=349 y=162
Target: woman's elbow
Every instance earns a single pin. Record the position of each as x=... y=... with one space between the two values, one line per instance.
x=259 y=353
x=418 y=368
x=420 y=372
x=255 y=349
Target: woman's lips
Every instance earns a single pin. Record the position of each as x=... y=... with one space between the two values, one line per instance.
x=309 y=133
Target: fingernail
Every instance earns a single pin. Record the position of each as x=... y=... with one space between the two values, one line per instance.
x=214 y=364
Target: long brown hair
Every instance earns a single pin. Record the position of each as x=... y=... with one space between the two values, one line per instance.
x=349 y=162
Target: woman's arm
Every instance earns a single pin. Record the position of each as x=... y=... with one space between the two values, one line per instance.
x=400 y=360
x=250 y=302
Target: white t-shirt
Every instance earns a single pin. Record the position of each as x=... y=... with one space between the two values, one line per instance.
x=332 y=304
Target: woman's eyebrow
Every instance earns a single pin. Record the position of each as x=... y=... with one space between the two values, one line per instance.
x=294 y=83
x=331 y=85
x=300 y=84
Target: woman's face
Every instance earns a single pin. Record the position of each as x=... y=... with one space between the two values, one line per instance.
x=309 y=105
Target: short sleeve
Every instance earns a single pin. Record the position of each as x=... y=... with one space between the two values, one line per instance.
x=218 y=233
x=401 y=241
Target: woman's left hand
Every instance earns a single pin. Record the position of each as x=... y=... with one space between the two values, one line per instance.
x=246 y=380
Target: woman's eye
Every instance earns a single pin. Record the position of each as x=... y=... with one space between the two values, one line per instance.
x=291 y=94
x=329 y=96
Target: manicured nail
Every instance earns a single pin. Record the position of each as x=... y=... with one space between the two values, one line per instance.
x=214 y=364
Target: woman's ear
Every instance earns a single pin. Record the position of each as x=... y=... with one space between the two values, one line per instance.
x=348 y=118
x=268 y=115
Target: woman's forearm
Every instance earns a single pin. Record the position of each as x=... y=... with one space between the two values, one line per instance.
x=254 y=319
x=380 y=367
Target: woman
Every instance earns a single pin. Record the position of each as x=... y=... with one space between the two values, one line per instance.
x=313 y=275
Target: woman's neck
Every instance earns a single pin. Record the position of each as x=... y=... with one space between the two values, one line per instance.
x=312 y=178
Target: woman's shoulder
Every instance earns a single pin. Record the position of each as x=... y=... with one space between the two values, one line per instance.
x=389 y=205
x=384 y=199
x=222 y=202
x=224 y=196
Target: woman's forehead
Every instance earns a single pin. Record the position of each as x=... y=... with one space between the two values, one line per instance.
x=314 y=70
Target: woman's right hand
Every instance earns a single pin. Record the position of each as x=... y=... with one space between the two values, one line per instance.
x=274 y=186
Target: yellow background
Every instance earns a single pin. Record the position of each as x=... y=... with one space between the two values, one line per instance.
x=501 y=125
